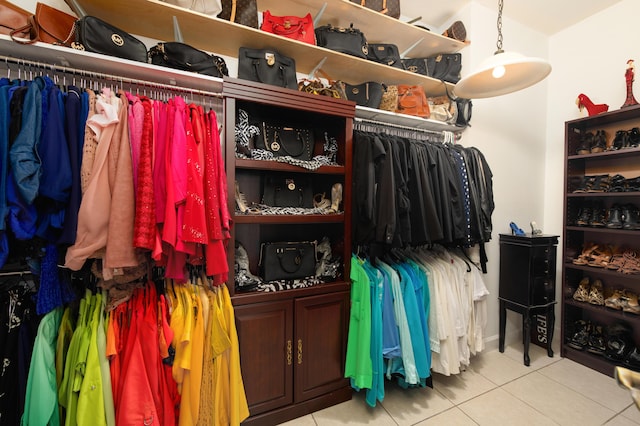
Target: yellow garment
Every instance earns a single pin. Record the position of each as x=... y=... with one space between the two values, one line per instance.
x=91 y=411
x=207 y=390
x=177 y=324
x=194 y=328
x=231 y=401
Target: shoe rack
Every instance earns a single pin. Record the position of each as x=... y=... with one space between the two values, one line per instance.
x=601 y=241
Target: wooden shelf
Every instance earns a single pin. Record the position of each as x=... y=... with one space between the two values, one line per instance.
x=275 y=166
x=411 y=121
x=635 y=233
x=225 y=38
x=604 y=194
x=616 y=276
x=607 y=154
x=288 y=219
x=620 y=315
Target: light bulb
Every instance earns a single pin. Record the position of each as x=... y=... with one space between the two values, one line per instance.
x=498 y=71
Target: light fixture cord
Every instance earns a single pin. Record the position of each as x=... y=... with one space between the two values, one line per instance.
x=499 y=42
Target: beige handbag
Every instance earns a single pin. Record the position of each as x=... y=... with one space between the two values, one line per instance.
x=208 y=7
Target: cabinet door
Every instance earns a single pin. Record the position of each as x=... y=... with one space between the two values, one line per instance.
x=320 y=344
x=266 y=353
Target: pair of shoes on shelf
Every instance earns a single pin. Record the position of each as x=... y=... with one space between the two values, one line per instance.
x=515 y=230
x=333 y=206
x=587 y=336
x=623 y=217
x=592 y=143
x=585 y=257
x=244 y=279
x=590 y=293
x=592 y=215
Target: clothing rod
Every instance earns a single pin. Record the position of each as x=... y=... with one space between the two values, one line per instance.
x=117 y=79
x=15 y=273
x=400 y=126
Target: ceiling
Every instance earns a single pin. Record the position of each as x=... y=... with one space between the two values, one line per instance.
x=545 y=16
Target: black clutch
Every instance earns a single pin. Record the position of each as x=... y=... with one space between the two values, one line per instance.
x=184 y=57
x=95 y=35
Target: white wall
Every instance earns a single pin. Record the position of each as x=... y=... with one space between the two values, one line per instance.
x=510 y=131
x=522 y=134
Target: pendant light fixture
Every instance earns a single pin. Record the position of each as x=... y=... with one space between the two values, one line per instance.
x=502 y=73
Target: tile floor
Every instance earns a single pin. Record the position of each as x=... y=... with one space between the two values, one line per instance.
x=497 y=389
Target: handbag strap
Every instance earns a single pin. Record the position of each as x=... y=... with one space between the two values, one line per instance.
x=232 y=18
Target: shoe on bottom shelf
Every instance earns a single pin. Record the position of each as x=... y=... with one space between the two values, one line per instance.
x=596 y=342
x=619 y=342
x=580 y=337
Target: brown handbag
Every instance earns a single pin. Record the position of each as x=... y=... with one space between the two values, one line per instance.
x=12 y=18
x=48 y=25
x=412 y=101
x=386 y=7
x=244 y=12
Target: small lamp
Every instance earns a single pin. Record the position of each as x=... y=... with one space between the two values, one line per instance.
x=502 y=73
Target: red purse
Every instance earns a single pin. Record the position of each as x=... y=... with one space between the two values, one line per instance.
x=300 y=29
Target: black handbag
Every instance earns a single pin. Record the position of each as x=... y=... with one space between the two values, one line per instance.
x=97 y=36
x=385 y=53
x=464 y=109
x=367 y=94
x=416 y=65
x=267 y=66
x=289 y=191
x=296 y=142
x=184 y=57
x=446 y=67
x=287 y=260
x=350 y=41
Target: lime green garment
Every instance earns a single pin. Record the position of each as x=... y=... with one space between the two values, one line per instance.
x=109 y=408
x=41 y=399
x=358 y=366
x=91 y=396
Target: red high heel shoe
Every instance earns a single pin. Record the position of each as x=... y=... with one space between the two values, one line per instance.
x=593 y=109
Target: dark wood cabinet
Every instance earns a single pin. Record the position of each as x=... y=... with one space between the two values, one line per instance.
x=618 y=163
x=292 y=342
x=527 y=283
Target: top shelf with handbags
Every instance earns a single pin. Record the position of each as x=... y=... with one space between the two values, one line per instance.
x=152 y=18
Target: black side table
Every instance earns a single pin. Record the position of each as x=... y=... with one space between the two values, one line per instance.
x=527 y=283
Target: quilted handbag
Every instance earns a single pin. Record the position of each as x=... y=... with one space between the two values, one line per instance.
x=386 y=7
x=95 y=35
x=184 y=57
x=367 y=94
x=267 y=66
x=243 y=12
x=287 y=260
x=416 y=65
x=350 y=41
x=296 y=142
x=287 y=191
x=300 y=29
x=384 y=53
x=412 y=101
